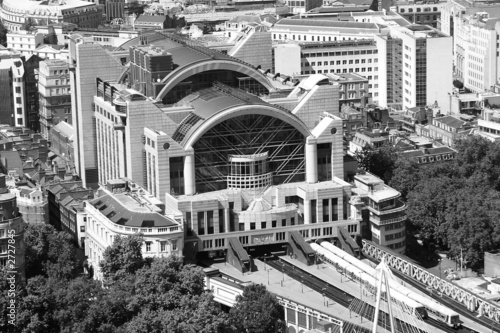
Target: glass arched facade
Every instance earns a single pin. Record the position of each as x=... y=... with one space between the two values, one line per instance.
x=206 y=79
x=248 y=135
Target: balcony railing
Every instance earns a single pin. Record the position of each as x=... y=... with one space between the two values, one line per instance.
x=379 y=221
x=398 y=207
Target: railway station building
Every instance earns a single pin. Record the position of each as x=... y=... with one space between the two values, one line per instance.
x=240 y=160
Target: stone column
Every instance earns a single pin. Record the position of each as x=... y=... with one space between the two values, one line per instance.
x=189 y=177
x=311 y=160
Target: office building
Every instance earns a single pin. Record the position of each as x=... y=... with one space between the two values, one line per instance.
x=31 y=88
x=61 y=139
x=387 y=213
x=302 y=6
x=414 y=69
x=14 y=13
x=448 y=129
x=122 y=209
x=425 y=12
x=24 y=41
x=88 y=61
x=13 y=92
x=54 y=93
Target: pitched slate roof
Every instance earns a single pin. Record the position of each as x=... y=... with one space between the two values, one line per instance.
x=451 y=121
x=123 y=210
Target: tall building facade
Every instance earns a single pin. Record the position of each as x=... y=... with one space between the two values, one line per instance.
x=32 y=99
x=425 y=75
x=477 y=51
x=54 y=93
x=420 y=13
x=13 y=92
x=387 y=213
x=87 y=62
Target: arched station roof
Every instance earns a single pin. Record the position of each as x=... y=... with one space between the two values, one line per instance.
x=214 y=105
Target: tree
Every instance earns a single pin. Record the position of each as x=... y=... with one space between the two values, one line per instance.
x=174 y=294
x=257 y=311
x=473 y=219
x=49 y=252
x=427 y=209
x=10 y=289
x=28 y=25
x=123 y=257
x=3 y=34
x=406 y=176
x=380 y=162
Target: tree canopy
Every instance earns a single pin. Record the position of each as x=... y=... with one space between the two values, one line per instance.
x=453 y=205
x=257 y=311
x=123 y=258
x=381 y=161
x=49 y=252
x=3 y=34
x=157 y=295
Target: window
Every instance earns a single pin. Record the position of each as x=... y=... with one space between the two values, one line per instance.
x=82 y=228
x=163 y=246
x=174 y=244
x=18 y=100
x=263 y=225
x=148 y=246
x=20 y=121
x=252 y=225
x=18 y=90
x=19 y=110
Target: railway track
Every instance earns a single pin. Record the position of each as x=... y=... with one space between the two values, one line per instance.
x=339 y=296
x=452 y=304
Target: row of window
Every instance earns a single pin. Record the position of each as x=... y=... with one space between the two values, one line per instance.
x=395 y=236
x=163 y=245
x=338 y=53
x=435 y=158
x=397 y=245
x=339 y=62
x=489 y=130
x=419 y=10
x=312 y=38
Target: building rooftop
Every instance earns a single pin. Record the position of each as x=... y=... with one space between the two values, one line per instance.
x=368 y=179
x=132 y=210
x=440 y=150
x=346 y=77
x=314 y=23
x=151 y=18
x=46 y=8
x=65 y=129
x=451 y=121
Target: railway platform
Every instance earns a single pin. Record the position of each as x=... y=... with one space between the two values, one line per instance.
x=284 y=286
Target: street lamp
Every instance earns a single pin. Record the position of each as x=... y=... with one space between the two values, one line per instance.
x=268 y=270
x=302 y=282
